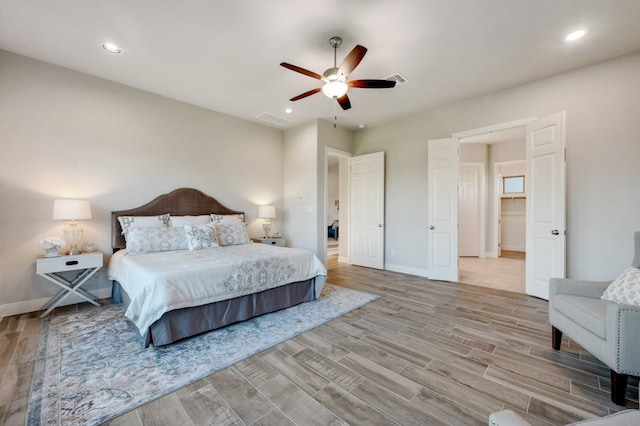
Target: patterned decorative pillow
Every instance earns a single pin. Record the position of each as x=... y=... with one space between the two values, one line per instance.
x=625 y=289
x=201 y=236
x=180 y=221
x=233 y=234
x=128 y=222
x=154 y=239
x=227 y=219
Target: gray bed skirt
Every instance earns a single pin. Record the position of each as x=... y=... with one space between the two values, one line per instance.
x=182 y=323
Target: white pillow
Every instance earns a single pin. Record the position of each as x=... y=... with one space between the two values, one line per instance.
x=624 y=289
x=155 y=239
x=201 y=236
x=180 y=221
x=227 y=219
x=233 y=234
x=128 y=222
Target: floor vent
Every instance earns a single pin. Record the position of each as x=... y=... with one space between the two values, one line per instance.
x=273 y=119
x=398 y=78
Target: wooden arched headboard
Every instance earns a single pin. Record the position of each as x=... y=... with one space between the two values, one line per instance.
x=180 y=202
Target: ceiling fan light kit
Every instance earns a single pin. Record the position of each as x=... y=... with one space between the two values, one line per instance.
x=336 y=83
x=334 y=89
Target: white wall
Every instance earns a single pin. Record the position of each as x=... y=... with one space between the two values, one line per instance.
x=66 y=134
x=602 y=104
x=305 y=153
x=301 y=186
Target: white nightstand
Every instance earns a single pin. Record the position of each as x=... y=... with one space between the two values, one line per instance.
x=52 y=268
x=274 y=241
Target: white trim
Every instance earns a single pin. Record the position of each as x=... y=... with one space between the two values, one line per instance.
x=338 y=153
x=34 y=305
x=406 y=270
x=514 y=248
x=482 y=195
x=494 y=128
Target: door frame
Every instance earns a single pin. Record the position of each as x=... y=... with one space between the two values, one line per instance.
x=482 y=194
x=343 y=199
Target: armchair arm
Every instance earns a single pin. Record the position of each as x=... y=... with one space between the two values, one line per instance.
x=623 y=325
x=582 y=288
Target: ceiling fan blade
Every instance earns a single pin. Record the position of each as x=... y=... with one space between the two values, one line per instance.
x=301 y=70
x=305 y=94
x=371 y=84
x=344 y=102
x=352 y=60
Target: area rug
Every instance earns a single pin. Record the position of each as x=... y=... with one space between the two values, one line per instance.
x=92 y=366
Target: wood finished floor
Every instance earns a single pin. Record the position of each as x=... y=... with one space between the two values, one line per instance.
x=425 y=353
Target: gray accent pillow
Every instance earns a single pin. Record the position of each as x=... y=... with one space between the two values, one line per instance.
x=155 y=239
x=201 y=236
x=232 y=234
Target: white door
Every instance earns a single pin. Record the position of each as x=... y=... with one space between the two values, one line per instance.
x=469 y=210
x=367 y=210
x=545 y=191
x=442 y=210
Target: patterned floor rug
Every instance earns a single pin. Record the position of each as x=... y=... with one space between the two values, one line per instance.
x=91 y=366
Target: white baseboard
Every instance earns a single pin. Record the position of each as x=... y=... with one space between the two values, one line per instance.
x=343 y=259
x=406 y=270
x=511 y=248
x=34 y=305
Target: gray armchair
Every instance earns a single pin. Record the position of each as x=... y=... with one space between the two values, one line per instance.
x=609 y=331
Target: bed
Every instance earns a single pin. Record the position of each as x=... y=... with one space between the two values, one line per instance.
x=174 y=294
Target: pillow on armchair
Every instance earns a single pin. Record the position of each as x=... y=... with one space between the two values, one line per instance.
x=625 y=289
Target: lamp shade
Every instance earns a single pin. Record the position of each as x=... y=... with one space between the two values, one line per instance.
x=71 y=210
x=266 y=212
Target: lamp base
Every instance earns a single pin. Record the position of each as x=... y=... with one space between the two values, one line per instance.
x=73 y=235
x=266 y=228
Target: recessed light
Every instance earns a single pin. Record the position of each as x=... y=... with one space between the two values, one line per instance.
x=361 y=125
x=576 y=35
x=111 y=48
x=288 y=110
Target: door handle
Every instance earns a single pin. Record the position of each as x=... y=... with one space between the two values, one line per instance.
x=555 y=232
x=379 y=225
x=432 y=227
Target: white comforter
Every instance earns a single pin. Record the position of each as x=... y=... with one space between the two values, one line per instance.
x=164 y=281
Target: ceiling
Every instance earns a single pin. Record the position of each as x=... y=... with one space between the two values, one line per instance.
x=225 y=56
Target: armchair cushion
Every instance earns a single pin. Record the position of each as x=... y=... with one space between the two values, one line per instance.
x=625 y=288
x=591 y=312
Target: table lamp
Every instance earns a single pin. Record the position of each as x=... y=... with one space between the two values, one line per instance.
x=267 y=213
x=72 y=210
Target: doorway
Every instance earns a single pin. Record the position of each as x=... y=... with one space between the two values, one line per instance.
x=336 y=206
x=545 y=153
x=333 y=207
x=487 y=215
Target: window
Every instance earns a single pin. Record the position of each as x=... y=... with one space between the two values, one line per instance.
x=513 y=185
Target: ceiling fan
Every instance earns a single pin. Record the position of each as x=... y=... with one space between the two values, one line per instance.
x=335 y=79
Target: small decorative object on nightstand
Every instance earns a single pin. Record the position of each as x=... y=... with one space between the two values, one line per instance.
x=84 y=265
x=274 y=241
x=51 y=246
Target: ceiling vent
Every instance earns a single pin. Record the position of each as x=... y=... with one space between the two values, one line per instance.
x=273 y=119
x=398 y=78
